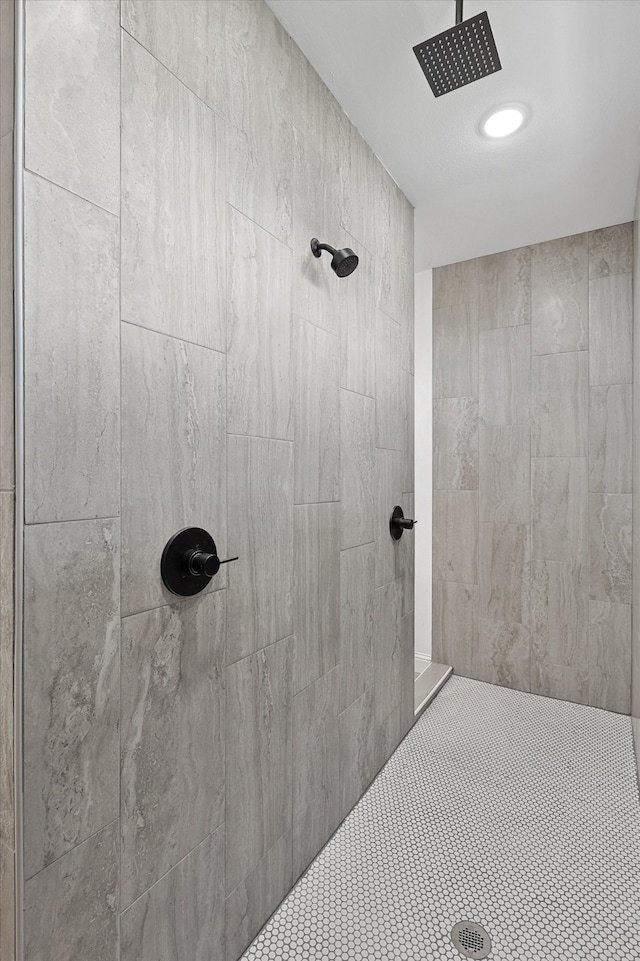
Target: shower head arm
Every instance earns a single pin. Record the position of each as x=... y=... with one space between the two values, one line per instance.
x=317 y=248
x=458 y=11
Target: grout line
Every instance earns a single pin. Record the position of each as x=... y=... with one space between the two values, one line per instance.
x=92 y=203
x=73 y=520
x=78 y=844
x=260 y=226
x=162 y=333
x=173 y=867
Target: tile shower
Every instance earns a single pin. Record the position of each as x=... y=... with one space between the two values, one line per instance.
x=188 y=362
x=532 y=467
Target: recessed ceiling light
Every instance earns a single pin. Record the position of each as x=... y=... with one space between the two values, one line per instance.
x=503 y=120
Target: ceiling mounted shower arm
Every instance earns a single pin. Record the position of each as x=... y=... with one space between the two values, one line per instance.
x=458 y=11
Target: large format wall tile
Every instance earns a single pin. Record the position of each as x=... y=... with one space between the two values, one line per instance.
x=260 y=179
x=456 y=284
x=182 y=916
x=357 y=585
x=505 y=365
x=316 y=414
x=611 y=251
x=559 y=511
x=565 y=683
x=188 y=38
x=72 y=364
x=174 y=242
x=356 y=306
x=610 y=656
x=505 y=469
x=610 y=413
x=7 y=895
x=316 y=767
x=504 y=572
x=260 y=531
x=560 y=295
x=389 y=384
x=71 y=908
x=455 y=536
x=172 y=735
x=7 y=467
x=71 y=685
x=455 y=625
x=455 y=351
x=389 y=492
x=256 y=898
x=610 y=320
x=72 y=96
x=559 y=613
x=560 y=405
x=357 y=429
x=316 y=591
x=258 y=333
x=610 y=543
x=258 y=762
x=358 y=750
x=455 y=445
x=503 y=654
x=387 y=649
x=504 y=289
x=6 y=68
x=7 y=508
x=172 y=421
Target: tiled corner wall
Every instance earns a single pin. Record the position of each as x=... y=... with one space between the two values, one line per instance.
x=188 y=362
x=7 y=487
x=532 y=467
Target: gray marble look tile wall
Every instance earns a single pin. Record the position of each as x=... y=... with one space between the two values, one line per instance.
x=182 y=915
x=72 y=337
x=71 y=907
x=172 y=736
x=532 y=589
x=207 y=371
x=71 y=685
x=173 y=210
x=72 y=97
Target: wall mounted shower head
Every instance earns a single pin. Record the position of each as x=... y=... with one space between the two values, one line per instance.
x=460 y=55
x=343 y=262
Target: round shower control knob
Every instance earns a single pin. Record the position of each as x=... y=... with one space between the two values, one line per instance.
x=398 y=523
x=189 y=561
x=199 y=562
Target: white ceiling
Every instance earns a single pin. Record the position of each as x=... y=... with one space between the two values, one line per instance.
x=576 y=63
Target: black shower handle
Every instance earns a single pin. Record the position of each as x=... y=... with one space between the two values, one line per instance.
x=200 y=562
x=398 y=523
x=407 y=523
x=189 y=561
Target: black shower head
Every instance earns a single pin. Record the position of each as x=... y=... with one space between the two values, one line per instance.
x=460 y=55
x=343 y=262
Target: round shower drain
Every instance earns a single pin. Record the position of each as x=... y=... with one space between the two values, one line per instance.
x=471 y=939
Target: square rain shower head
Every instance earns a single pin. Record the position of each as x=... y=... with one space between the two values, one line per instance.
x=460 y=55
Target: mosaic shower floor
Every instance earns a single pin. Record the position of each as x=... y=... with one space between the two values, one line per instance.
x=515 y=811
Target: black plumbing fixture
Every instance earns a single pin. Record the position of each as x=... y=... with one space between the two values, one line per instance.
x=189 y=561
x=459 y=55
x=343 y=262
x=398 y=523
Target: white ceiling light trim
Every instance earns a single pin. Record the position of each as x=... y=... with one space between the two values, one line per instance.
x=504 y=120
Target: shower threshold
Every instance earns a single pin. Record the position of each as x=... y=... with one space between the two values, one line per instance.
x=505 y=820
